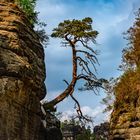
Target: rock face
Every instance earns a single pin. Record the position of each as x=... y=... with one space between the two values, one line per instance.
x=125 y=118
x=71 y=131
x=22 y=75
x=126 y=127
x=101 y=131
x=52 y=125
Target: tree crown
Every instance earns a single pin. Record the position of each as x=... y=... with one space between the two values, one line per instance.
x=76 y=29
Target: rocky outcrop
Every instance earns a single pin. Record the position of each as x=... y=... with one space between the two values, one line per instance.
x=72 y=131
x=126 y=126
x=125 y=118
x=22 y=75
x=52 y=127
x=101 y=131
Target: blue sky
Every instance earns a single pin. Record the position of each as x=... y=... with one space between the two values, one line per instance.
x=110 y=18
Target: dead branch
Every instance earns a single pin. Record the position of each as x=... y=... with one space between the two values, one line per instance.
x=78 y=110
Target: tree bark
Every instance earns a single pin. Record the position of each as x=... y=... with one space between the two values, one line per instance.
x=70 y=89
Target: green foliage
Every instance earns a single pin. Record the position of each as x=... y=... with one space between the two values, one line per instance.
x=126 y=89
x=128 y=86
x=28 y=7
x=43 y=36
x=131 y=55
x=86 y=135
x=78 y=29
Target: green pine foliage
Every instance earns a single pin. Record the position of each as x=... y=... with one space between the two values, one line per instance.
x=76 y=28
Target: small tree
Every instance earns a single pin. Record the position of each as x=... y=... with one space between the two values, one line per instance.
x=75 y=33
x=28 y=7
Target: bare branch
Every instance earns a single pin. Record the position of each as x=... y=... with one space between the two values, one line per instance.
x=66 y=82
x=78 y=109
x=88 y=55
x=86 y=77
x=66 y=37
x=84 y=65
x=89 y=58
x=84 y=43
x=64 y=44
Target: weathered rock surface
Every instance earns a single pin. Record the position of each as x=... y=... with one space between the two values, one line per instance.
x=22 y=75
x=52 y=125
x=101 y=131
x=125 y=127
x=125 y=122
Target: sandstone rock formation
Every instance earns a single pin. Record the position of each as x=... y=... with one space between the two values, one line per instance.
x=126 y=126
x=101 y=131
x=125 y=118
x=22 y=75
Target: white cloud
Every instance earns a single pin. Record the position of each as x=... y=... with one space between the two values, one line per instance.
x=67 y=114
x=95 y=113
x=51 y=9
